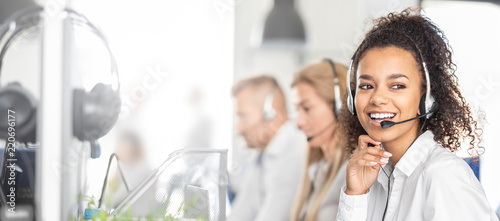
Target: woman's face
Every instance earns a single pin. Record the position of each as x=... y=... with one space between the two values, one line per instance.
x=388 y=88
x=315 y=114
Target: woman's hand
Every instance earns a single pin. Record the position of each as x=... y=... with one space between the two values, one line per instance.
x=364 y=165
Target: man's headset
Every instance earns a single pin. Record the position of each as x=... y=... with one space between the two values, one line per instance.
x=94 y=113
x=427 y=105
x=268 y=111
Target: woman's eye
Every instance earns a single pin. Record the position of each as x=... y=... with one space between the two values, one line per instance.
x=306 y=109
x=365 y=86
x=398 y=86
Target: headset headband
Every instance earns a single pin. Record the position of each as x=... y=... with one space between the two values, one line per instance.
x=30 y=17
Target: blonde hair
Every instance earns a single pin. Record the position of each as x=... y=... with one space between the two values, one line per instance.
x=320 y=76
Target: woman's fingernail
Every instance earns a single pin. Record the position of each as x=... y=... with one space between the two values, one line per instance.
x=385 y=160
x=387 y=154
x=373 y=163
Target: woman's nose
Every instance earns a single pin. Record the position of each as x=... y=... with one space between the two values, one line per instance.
x=379 y=97
x=301 y=121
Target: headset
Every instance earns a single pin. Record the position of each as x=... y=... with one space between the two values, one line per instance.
x=337 y=103
x=427 y=105
x=268 y=111
x=94 y=113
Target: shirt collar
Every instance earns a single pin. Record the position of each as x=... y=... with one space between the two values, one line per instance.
x=416 y=153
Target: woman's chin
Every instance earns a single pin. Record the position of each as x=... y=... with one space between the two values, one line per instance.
x=380 y=136
x=314 y=144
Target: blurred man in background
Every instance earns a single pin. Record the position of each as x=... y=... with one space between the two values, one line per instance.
x=130 y=152
x=271 y=179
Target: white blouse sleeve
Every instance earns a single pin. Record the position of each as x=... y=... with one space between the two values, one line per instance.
x=352 y=207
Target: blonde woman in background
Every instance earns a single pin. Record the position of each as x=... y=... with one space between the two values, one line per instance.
x=317 y=99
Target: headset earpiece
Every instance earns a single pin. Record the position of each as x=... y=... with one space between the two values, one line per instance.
x=337 y=103
x=428 y=105
x=268 y=112
x=421 y=106
x=352 y=107
x=427 y=102
x=96 y=112
x=19 y=103
x=350 y=93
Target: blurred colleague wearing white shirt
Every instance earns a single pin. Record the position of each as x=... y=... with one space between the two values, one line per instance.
x=318 y=105
x=407 y=171
x=271 y=179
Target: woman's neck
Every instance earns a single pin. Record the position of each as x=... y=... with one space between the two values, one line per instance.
x=329 y=148
x=399 y=146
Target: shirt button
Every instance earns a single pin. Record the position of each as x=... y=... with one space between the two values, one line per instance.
x=348 y=208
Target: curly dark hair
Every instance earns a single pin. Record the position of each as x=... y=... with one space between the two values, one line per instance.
x=453 y=123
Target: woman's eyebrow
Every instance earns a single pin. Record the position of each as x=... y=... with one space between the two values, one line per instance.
x=392 y=76
x=397 y=75
x=304 y=102
x=365 y=77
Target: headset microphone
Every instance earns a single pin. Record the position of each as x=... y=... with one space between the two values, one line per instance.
x=320 y=132
x=387 y=123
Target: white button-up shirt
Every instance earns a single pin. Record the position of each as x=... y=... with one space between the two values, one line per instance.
x=268 y=190
x=428 y=183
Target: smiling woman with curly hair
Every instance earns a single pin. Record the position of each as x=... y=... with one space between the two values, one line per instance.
x=403 y=70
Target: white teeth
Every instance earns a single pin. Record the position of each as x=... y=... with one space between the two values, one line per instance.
x=382 y=115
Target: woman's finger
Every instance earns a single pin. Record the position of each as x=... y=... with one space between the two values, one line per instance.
x=364 y=140
x=372 y=160
x=377 y=152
